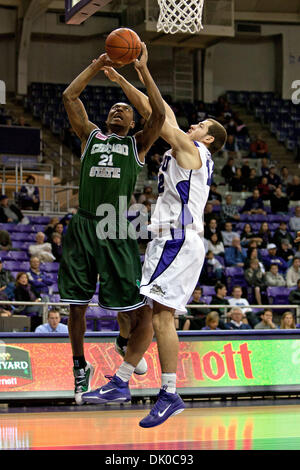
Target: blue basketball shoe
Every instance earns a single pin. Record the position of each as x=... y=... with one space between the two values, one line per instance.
x=168 y=404
x=115 y=391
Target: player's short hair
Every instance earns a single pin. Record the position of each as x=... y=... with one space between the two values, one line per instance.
x=217 y=131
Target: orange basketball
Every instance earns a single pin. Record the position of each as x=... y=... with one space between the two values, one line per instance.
x=123 y=45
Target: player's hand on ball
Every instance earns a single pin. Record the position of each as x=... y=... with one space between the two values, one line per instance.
x=105 y=61
x=142 y=62
x=111 y=73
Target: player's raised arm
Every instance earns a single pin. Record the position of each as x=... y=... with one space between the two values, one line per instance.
x=75 y=109
x=155 y=120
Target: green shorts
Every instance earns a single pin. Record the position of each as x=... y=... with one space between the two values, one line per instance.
x=117 y=261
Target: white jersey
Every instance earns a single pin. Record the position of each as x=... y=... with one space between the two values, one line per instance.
x=182 y=194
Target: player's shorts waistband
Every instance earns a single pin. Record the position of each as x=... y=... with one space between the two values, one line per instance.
x=88 y=215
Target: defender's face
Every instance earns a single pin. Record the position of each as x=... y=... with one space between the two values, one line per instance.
x=120 y=115
x=199 y=131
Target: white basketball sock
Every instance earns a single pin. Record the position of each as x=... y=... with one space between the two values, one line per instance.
x=168 y=382
x=125 y=371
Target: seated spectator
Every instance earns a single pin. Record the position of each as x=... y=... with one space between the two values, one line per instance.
x=255 y=278
x=259 y=148
x=279 y=202
x=228 y=170
x=198 y=314
x=286 y=178
x=293 y=189
x=60 y=228
x=53 y=325
x=219 y=298
x=214 y=196
x=235 y=255
x=236 y=320
x=38 y=279
x=285 y=252
x=273 y=179
x=238 y=301
x=56 y=245
x=229 y=211
x=7 y=283
x=209 y=213
x=253 y=253
x=211 y=228
x=153 y=166
x=265 y=235
x=252 y=181
x=266 y=321
x=237 y=183
x=215 y=245
x=264 y=189
x=50 y=228
x=212 y=321
x=247 y=236
x=26 y=293
x=273 y=258
x=241 y=128
x=10 y=213
x=264 y=169
x=21 y=122
x=29 y=196
x=287 y=321
x=294 y=295
x=213 y=267
x=147 y=195
x=231 y=147
x=5 y=241
x=201 y=111
x=246 y=171
x=273 y=278
x=282 y=233
x=294 y=222
x=228 y=235
x=41 y=249
x=254 y=204
x=293 y=273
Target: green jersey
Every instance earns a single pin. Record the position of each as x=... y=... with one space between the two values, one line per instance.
x=109 y=168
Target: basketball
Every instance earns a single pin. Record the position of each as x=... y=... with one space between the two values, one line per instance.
x=123 y=45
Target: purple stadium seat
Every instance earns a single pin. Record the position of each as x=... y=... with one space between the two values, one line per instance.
x=5 y=255
x=7 y=227
x=206 y=299
x=18 y=256
x=279 y=295
x=54 y=298
x=22 y=228
x=38 y=228
x=17 y=245
x=34 y=219
x=208 y=290
x=22 y=236
x=50 y=267
x=15 y=265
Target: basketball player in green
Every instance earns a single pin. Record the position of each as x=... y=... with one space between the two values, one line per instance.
x=110 y=164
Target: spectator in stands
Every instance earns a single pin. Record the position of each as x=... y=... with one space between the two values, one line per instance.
x=273 y=278
x=213 y=267
x=253 y=253
x=264 y=189
x=60 y=228
x=281 y=233
x=293 y=189
x=294 y=295
x=147 y=195
x=279 y=202
x=153 y=166
x=255 y=279
x=246 y=171
x=7 y=283
x=50 y=227
x=241 y=128
x=286 y=179
x=41 y=249
x=236 y=320
x=229 y=211
x=287 y=321
x=5 y=241
x=259 y=148
x=27 y=293
x=215 y=244
x=214 y=196
x=295 y=220
x=238 y=301
x=293 y=273
x=29 y=196
x=201 y=111
x=21 y=122
x=254 y=204
x=68 y=217
x=198 y=314
x=39 y=280
x=56 y=245
x=264 y=168
x=212 y=321
x=266 y=321
x=10 y=213
x=285 y=252
x=252 y=181
x=247 y=236
x=237 y=183
x=273 y=179
x=209 y=213
x=53 y=325
x=211 y=228
x=228 y=235
x=231 y=147
x=228 y=170
x=265 y=235
x=235 y=255
x=273 y=258
x=219 y=297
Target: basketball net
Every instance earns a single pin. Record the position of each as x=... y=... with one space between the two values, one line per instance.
x=183 y=16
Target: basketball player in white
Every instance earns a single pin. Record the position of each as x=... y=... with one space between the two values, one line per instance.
x=174 y=258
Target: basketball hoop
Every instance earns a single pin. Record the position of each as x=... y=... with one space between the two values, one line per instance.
x=183 y=16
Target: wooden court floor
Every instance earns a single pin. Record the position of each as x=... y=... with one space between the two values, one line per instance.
x=199 y=427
